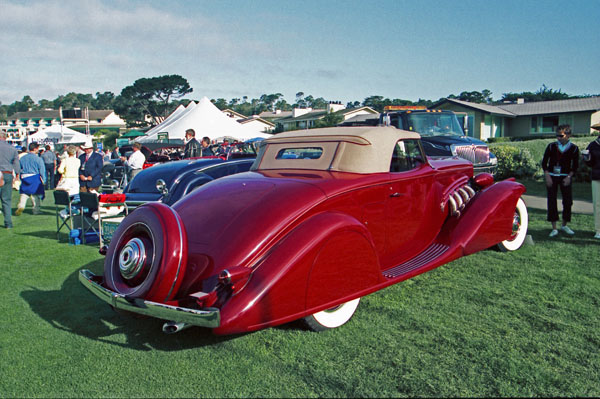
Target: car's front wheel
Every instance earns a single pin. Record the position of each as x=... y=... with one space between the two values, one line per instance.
x=332 y=318
x=519 y=230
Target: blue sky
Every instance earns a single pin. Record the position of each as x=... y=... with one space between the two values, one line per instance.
x=339 y=50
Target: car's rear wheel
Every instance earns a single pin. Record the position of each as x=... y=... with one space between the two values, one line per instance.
x=148 y=254
x=332 y=318
x=519 y=231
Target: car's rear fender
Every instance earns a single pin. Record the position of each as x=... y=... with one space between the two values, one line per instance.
x=488 y=219
x=311 y=266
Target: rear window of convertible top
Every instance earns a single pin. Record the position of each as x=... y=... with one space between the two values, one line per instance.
x=300 y=153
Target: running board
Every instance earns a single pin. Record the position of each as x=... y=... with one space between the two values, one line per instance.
x=427 y=256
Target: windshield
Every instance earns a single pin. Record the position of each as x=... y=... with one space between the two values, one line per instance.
x=434 y=124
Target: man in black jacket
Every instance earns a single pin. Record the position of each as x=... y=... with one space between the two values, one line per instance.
x=560 y=163
x=192 y=147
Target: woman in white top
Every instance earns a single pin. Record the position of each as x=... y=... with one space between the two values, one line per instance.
x=69 y=170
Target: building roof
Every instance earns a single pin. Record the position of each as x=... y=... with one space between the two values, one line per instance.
x=319 y=113
x=490 y=109
x=255 y=118
x=35 y=114
x=588 y=104
x=554 y=107
x=229 y=111
x=54 y=113
x=275 y=114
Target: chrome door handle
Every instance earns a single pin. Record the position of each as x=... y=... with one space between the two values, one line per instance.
x=396 y=195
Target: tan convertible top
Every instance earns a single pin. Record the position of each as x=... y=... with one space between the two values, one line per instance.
x=344 y=149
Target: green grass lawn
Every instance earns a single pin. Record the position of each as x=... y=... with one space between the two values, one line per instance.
x=491 y=324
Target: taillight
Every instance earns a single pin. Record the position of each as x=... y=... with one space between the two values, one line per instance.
x=235 y=277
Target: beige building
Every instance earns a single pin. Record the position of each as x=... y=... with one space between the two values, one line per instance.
x=533 y=119
x=254 y=122
x=305 y=118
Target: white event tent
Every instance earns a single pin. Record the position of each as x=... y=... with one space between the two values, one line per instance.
x=175 y=115
x=206 y=120
x=57 y=134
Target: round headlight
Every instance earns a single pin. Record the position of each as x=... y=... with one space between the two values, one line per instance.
x=161 y=186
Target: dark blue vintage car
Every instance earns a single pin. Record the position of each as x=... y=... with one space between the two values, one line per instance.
x=170 y=181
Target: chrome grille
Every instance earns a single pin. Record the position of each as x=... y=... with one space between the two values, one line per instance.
x=473 y=153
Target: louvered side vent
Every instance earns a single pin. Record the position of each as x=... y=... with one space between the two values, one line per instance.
x=430 y=254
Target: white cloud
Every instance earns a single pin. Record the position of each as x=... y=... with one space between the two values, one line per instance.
x=67 y=42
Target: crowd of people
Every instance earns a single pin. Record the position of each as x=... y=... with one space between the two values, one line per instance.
x=35 y=170
x=80 y=170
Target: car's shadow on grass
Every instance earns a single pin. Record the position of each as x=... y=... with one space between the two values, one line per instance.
x=581 y=238
x=76 y=310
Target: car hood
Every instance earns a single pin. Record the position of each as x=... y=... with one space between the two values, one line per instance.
x=450 y=140
x=234 y=219
x=145 y=181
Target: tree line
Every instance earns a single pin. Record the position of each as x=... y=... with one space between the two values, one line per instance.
x=149 y=100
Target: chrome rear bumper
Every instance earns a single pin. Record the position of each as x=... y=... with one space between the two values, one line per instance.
x=209 y=317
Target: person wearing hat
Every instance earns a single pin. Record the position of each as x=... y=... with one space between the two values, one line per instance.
x=90 y=171
x=591 y=156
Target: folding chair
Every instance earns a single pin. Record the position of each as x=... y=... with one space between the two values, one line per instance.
x=89 y=205
x=62 y=199
x=113 y=210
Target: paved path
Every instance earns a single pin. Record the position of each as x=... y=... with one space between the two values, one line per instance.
x=540 y=203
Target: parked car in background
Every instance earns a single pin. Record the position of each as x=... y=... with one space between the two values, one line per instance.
x=116 y=174
x=235 y=150
x=353 y=211
x=170 y=181
x=442 y=134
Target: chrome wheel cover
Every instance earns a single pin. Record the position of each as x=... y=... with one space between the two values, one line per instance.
x=132 y=258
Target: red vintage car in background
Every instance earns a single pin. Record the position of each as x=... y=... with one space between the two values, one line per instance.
x=323 y=218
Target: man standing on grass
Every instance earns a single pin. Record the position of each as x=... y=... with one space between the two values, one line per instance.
x=9 y=163
x=90 y=171
x=33 y=178
x=560 y=163
x=136 y=160
x=50 y=164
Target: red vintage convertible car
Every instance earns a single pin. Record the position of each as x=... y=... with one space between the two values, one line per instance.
x=323 y=218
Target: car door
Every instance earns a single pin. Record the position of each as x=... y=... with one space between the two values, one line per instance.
x=409 y=199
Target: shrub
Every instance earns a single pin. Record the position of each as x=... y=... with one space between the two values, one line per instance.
x=499 y=139
x=110 y=139
x=514 y=162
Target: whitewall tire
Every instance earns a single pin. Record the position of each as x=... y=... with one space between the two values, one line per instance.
x=332 y=318
x=520 y=224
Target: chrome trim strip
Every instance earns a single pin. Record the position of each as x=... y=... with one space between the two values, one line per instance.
x=209 y=317
x=176 y=216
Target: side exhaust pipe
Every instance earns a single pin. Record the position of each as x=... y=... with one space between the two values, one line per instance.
x=172 y=327
x=459 y=199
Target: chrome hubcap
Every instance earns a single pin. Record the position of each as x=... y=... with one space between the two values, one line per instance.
x=516 y=223
x=132 y=258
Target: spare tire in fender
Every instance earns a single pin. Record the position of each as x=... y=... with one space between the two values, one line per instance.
x=147 y=256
